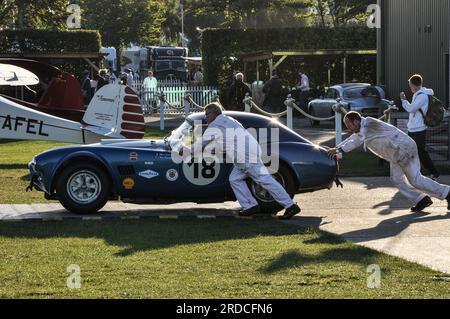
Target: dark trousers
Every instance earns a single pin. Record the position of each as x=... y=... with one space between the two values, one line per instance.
x=425 y=160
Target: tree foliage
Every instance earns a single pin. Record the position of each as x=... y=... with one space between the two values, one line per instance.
x=121 y=22
x=336 y=13
x=33 y=14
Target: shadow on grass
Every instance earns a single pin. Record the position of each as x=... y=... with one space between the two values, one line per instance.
x=13 y=166
x=149 y=234
x=7 y=141
x=293 y=259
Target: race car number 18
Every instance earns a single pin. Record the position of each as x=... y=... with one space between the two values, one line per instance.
x=203 y=173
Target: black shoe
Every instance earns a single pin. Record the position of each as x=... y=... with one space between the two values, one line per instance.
x=249 y=211
x=424 y=203
x=291 y=211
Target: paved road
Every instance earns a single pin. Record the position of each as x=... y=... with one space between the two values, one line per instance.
x=368 y=211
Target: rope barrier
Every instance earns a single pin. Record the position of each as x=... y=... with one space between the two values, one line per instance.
x=188 y=98
x=253 y=105
x=162 y=97
x=248 y=101
x=314 y=118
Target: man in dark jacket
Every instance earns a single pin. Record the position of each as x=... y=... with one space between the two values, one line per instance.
x=237 y=93
x=101 y=79
x=274 y=100
x=86 y=87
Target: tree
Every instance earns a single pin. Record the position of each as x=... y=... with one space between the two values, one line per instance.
x=339 y=12
x=33 y=14
x=122 y=22
x=171 y=26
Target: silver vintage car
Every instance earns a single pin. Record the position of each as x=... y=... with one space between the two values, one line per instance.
x=369 y=100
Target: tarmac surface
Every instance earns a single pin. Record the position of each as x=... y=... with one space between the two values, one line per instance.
x=368 y=212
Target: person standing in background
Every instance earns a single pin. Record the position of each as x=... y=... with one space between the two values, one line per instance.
x=149 y=86
x=417 y=128
x=101 y=79
x=237 y=93
x=86 y=87
x=304 y=90
x=129 y=78
x=198 y=77
x=273 y=89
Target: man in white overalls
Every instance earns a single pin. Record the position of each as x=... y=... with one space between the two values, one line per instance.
x=391 y=144
x=221 y=132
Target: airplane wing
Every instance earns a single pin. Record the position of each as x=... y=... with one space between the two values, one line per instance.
x=15 y=76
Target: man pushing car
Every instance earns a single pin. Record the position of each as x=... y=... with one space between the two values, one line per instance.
x=243 y=150
x=391 y=144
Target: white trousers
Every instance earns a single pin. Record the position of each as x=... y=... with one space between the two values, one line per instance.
x=412 y=184
x=261 y=176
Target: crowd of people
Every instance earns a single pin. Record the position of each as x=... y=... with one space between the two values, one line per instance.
x=128 y=77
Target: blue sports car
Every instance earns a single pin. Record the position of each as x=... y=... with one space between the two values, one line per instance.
x=84 y=177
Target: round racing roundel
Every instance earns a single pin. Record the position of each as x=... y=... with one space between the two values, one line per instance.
x=203 y=173
x=172 y=175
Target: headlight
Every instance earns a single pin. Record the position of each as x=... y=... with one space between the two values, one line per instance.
x=32 y=164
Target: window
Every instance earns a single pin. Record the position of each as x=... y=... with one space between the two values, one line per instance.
x=178 y=65
x=332 y=94
x=353 y=93
x=370 y=92
x=162 y=66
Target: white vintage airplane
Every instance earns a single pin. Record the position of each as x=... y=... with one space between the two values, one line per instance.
x=114 y=111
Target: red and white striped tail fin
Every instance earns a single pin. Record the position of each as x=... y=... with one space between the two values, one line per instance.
x=115 y=112
x=132 y=117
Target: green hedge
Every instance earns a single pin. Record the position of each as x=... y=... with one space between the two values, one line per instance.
x=218 y=45
x=49 y=41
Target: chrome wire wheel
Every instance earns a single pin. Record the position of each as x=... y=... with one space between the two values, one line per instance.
x=84 y=187
x=261 y=193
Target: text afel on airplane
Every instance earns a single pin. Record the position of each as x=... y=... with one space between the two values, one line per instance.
x=22 y=124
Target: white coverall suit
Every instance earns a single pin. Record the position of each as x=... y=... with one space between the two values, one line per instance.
x=391 y=144
x=242 y=149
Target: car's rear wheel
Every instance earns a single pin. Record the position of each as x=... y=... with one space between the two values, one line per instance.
x=312 y=112
x=83 y=188
x=266 y=202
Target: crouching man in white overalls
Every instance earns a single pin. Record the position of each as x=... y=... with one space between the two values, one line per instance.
x=394 y=146
x=221 y=132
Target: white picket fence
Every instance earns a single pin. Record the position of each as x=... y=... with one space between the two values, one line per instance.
x=175 y=95
x=137 y=84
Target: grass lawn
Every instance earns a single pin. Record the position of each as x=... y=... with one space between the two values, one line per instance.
x=14 y=158
x=151 y=258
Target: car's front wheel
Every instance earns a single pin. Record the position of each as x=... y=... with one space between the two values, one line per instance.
x=83 y=188
x=266 y=202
